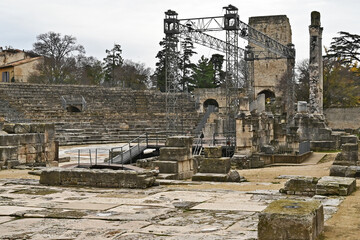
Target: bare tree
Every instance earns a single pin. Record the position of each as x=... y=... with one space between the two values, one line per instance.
x=60 y=56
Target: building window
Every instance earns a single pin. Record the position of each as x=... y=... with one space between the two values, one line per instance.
x=5 y=76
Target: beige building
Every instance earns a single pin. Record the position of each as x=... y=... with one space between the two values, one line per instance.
x=17 y=65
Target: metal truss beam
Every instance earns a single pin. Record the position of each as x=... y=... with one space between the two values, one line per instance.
x=245 y=31
x=207 y=40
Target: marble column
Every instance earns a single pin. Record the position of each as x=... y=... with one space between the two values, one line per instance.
x=316 y=65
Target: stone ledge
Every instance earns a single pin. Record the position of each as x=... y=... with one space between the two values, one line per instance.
x=328 y=185
x=97 y=178
x=342 y=186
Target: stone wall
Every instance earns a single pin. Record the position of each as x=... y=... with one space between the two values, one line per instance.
x=341 y=118
x=30 y=144
x=97 y=178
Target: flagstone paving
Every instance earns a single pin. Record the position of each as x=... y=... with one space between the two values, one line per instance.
x=29 y=210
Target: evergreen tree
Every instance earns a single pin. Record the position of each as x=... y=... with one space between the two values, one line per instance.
x=217 y=61
x=186 y=64
x=204 y=74
x=159 y=76
x=113 y=62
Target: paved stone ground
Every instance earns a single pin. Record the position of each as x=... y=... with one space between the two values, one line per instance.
x=29 y=210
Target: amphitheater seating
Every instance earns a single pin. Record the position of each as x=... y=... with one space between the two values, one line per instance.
x=111 y=114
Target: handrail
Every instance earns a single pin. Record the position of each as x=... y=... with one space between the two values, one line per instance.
x=210 y=109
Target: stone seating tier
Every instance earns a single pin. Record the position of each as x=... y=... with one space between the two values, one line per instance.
x=111 y=114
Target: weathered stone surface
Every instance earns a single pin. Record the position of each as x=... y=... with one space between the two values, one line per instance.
x=213 y=152
x=179 y=141
x=290 y=220
x=316 y=66
x=174 y=154
x=348 y=139
x=322 y=145
x=210 y=177
x=234 y=176
x=34 y=142
x=342 y=186
x=215 y=165
x=97 y=178
x=7 y=155
x=300 y=185
x=166 y=166
x=345 y=171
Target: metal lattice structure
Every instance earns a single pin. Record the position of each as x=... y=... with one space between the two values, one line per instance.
x=194 y=29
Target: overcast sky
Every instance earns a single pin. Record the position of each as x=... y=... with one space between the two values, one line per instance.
x=137 y=25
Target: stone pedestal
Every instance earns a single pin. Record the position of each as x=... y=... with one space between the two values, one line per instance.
x=215 y=168
x=347 y=163
x=290 y=220
x=348 y=156
x=175 y=160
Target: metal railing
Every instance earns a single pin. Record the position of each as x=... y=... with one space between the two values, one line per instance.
x=210 y=109
x=91 y=156
x=73 y=100
x=129 y=150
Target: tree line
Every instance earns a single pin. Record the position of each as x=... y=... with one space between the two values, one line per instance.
x=65 y=62
x=341 y=70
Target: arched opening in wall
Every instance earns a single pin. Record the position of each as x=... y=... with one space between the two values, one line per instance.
x=269 y=95
x=209 y=102
x=71 y=108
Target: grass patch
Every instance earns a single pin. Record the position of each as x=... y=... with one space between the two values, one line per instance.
x=329 y=151
x=326 y=158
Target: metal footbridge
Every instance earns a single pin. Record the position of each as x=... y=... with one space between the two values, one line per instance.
x=127 y=152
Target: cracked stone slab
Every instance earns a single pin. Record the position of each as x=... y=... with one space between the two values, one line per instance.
x=6 y=219
x=86 y=206
x=227 y=206
x=15 y=210
x=132 y=213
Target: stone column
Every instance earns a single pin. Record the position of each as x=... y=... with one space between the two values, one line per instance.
x=316 y=65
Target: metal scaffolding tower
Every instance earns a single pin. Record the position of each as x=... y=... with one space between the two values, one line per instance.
x=194 y=29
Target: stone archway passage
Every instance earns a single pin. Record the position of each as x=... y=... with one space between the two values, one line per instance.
x=71 y=108
x=209 y=102
x=268 y=94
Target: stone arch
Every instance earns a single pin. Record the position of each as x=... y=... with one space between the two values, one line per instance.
x=268 y=94
x=72 y=108
x=210 y=101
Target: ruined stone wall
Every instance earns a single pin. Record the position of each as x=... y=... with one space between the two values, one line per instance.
x=253 y=132
x=341 y=118
x=268 y=72
x=30 y=144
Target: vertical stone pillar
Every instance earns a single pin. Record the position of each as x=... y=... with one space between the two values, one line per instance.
x=316 y=65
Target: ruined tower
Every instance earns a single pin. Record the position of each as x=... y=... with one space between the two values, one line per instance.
x=269 y=68
x=316 y=65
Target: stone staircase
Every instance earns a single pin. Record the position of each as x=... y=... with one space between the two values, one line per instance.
x=111 y=114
